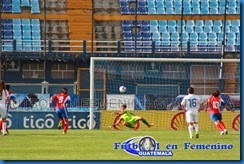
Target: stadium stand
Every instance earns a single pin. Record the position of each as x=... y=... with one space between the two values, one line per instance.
x=68 y=28
x=192 y=28
x=24 y=32
x=189 y=7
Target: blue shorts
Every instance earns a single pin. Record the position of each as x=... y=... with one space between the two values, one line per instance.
x=62 y=113
x=216 y=117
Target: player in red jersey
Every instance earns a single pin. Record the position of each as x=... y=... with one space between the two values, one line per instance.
x=62 y=99
x=214 y=103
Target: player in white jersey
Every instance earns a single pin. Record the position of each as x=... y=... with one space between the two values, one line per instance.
x=4 y=95
x=191 y=105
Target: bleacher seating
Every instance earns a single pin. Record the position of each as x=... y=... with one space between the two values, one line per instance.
x=15 y=6
x=168 y=35
x=35 y=7
x=203 y=35
x=175 y=6
x=7 y=6
x=25 y=3
x=238 y=42
x=7 y=34
x=25 y=32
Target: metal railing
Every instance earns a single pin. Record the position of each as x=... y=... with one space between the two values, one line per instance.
x=44 y=87
x=83 y=46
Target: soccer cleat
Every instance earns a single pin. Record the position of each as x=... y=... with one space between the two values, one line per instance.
x=59 y=125
x=64 y=132
x=197 y=135
x=222 y=133
x=226 y=132
x=191 y=137
x=5 y=133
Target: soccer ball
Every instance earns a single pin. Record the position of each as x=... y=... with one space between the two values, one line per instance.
x=122 y=89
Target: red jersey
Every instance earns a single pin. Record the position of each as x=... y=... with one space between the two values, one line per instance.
x=214 y=104
x=61 y=100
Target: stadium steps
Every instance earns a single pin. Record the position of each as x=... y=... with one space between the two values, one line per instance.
x=79 y=17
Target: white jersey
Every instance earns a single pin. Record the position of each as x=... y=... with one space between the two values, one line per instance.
x=191 y=102
x=4 y=97
x=3 y=102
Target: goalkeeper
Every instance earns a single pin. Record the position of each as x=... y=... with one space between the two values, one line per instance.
x=129 y=120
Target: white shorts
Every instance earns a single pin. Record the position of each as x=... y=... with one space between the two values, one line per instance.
x=3 y=111
x=191 y=116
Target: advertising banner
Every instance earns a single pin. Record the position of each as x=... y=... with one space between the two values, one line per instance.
x=173 y=120
x=114 y=101
x=38 y=102
x=49 y=120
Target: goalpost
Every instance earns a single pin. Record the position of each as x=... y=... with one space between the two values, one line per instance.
x=154 y=83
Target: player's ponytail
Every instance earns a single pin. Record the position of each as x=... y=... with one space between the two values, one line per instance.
x=216 y=93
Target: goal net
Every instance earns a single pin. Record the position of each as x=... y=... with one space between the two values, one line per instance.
x=156 y=86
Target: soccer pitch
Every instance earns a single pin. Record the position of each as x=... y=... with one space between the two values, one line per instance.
x=99 y=145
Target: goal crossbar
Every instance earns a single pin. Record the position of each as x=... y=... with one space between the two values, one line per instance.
x=164 y=59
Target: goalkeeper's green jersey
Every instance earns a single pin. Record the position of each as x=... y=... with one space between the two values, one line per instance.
x=128 y=117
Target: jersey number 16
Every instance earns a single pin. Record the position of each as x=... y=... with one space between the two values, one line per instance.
x=192 y=103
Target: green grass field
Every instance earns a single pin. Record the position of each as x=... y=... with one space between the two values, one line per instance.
x=99 y=145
